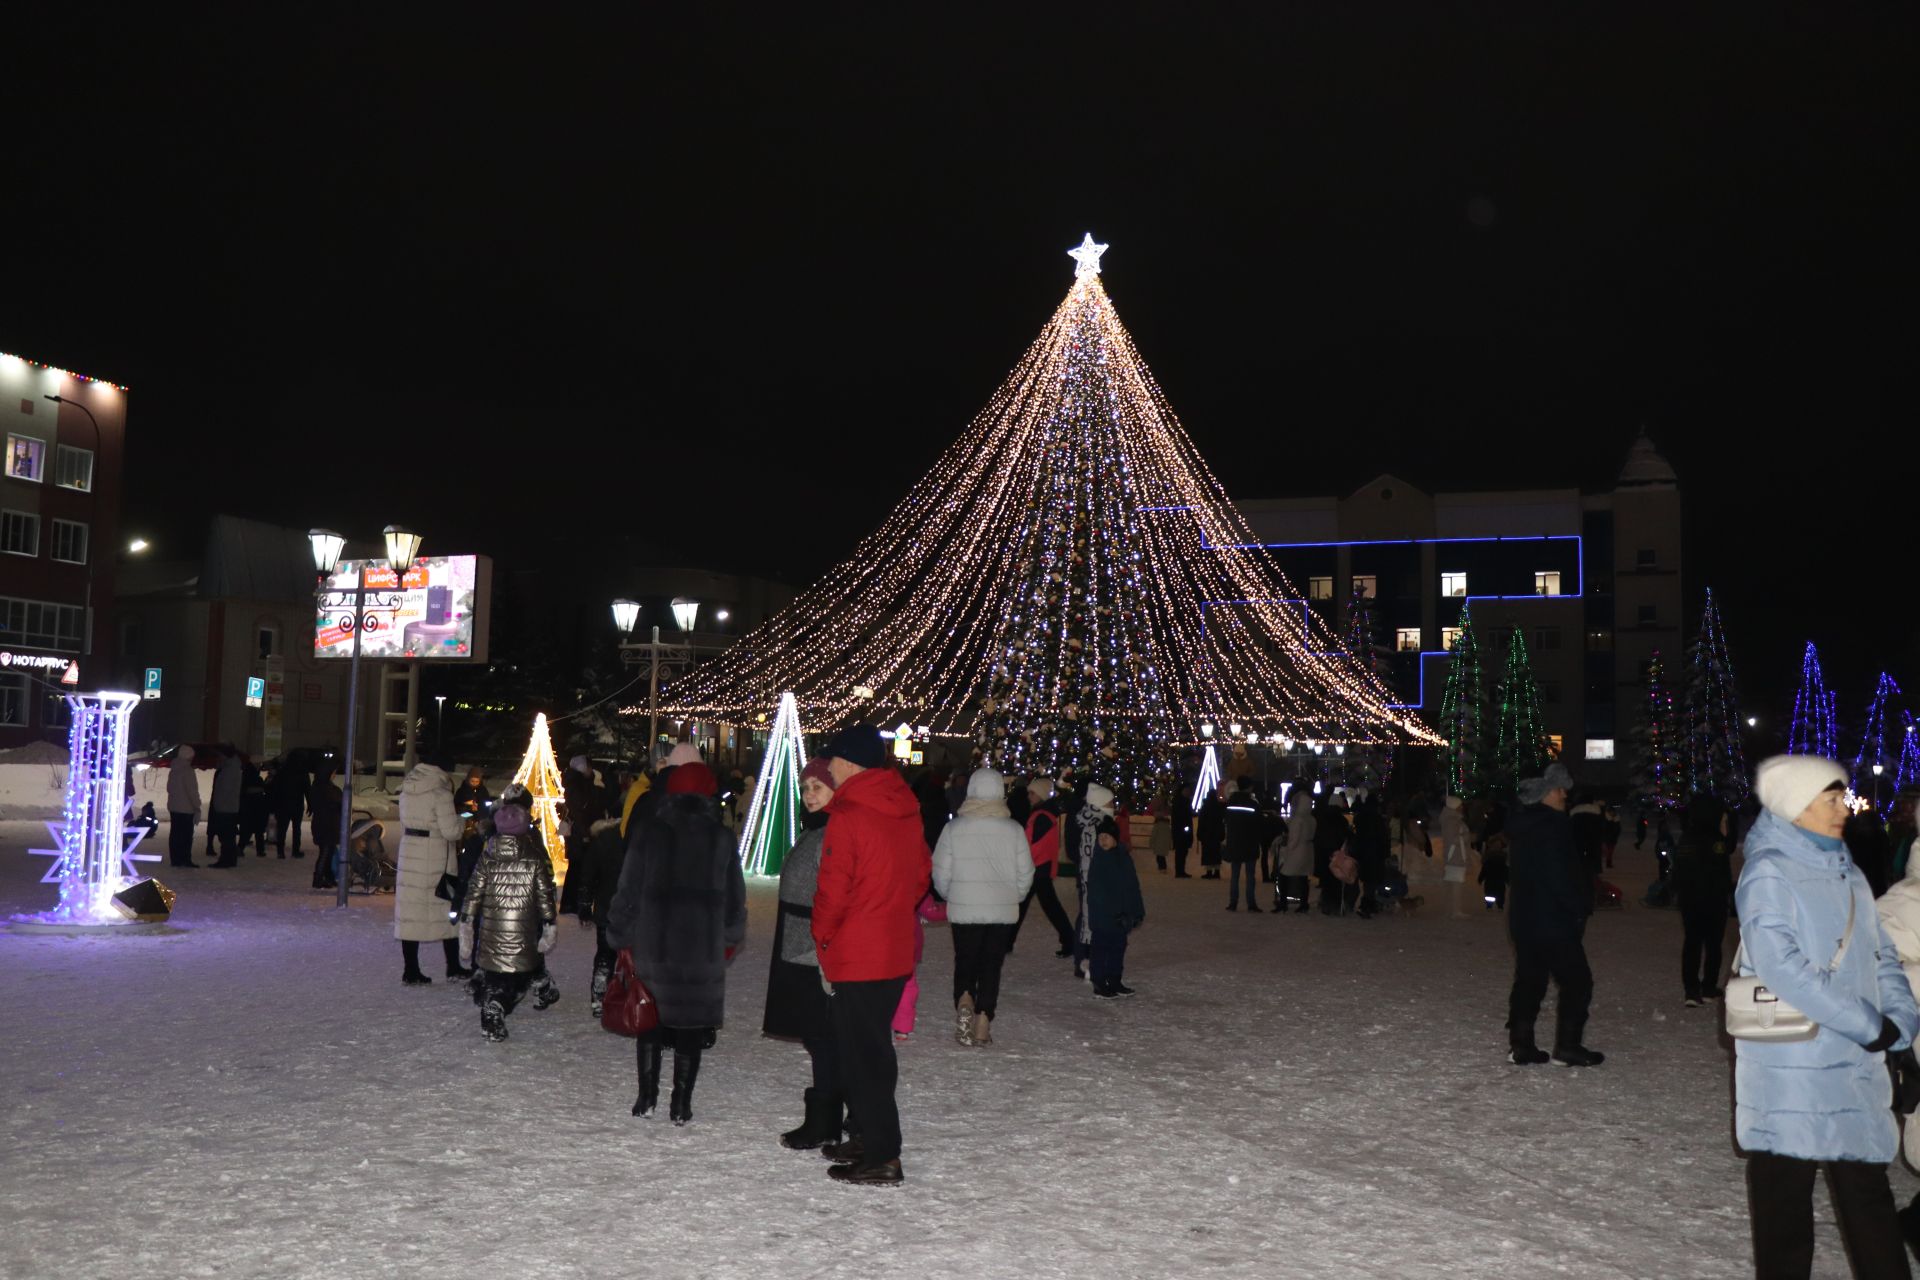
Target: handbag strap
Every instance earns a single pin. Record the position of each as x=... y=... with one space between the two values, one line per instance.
x=1846 y=939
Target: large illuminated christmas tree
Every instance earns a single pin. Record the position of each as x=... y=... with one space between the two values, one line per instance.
x=1657 y=762
x=1069 y=586
x=1716 y=762
x=539 y=773
x=1523 y=747
x=1463 y=719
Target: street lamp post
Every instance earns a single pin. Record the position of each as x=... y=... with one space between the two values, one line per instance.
x=626 y=613
x=402 y=546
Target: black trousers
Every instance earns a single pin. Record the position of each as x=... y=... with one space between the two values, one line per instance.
x=325 y=875
x=180 y=840
x=1050 y=904
x=410 y=955
x=978 y=952
x=225 y=827
x=289 y=831
x=1705 y=924
x=1180 y=852
x=1210 y=854
x=1565 y=961
x=1780 y=1204
x=863 y=1047
x=1109 y=956
x=1336 y=898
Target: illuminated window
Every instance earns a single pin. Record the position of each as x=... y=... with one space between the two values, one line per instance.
x=19 y=533
x=1546 y=582
x=73 y=468
x=1448 y=635
x=1407 y=639
x=1556 y=744
x=1320 y=588
x=1453 y=584
x=1599 y=748
x=1599 y=640
x=25 y=457
x=1365 y=585
x=70 y=541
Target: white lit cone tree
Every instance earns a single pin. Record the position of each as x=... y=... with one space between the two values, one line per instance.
x=1069 y=586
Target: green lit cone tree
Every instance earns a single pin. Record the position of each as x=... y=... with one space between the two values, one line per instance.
x=1463 y=715
x=1522 y=747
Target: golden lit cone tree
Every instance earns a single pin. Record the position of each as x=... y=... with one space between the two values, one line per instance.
x=539 y=773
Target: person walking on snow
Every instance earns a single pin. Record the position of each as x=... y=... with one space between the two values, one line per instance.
x=874 y=869
x=1552 y=898
x=1097 y=805
x=1810 y=933
x=507 y=918
x=983 y=867
x=1043 y=830
x=1703 y=882
x=429 y=829
x=1242 y=845
x=1114 y=909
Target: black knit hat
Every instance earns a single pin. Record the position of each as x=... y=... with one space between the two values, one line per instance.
x=858 y=744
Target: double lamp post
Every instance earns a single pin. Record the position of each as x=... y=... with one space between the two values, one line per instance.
x=403 y=546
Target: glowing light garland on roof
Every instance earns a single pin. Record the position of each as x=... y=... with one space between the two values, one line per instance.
x=1077 y=454
x=773 y=819
x=65 y=373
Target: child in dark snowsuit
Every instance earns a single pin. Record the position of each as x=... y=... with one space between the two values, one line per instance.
x=1114 y=910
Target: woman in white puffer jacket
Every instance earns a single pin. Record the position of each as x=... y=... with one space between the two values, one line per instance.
x=983 y=867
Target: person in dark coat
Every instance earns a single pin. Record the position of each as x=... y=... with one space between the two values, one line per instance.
x=1114 y=910
x=598 y=871
x=1211 y=826
x=287 y=798
x=254 y=809
x=471 y=797
x=1870 y=848
x=1331 y=832
x=1241 y=848
x=797 y=1005
x=1551 y=900
x=1182 y=815
x=584 y=808
x=1703 y=883
x=326 y=827
x=681 y=909
x=1372 y=841
x=934 y=810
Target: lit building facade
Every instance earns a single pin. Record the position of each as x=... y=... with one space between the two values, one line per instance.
x=59 y=537
x=1593 y=579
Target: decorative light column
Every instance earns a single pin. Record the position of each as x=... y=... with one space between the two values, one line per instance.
x=95 y=856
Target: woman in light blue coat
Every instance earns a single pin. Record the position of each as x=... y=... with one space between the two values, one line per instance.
x=1827 y=1101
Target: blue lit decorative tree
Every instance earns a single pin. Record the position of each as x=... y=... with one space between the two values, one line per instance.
x=1813 y=732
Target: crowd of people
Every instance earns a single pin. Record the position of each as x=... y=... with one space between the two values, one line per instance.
x=253 y=805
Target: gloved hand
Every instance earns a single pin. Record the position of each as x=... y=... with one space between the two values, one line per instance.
x=730 y=951
x=824 y=984
x=1888 y=1037
x=466 y=944
x=549 y=934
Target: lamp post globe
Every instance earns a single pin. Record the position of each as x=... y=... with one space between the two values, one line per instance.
x=626 y=615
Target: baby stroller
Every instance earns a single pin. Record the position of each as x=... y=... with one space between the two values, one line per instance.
x=369 y=869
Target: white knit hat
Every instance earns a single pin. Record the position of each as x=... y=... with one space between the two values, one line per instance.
x=1788 y=784
x=1100 y=798
x=685 y=753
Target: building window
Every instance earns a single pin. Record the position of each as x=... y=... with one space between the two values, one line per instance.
x=25 y=457
x=1453 y=584
x=1406 y=639
x=1599 y=748
x=1448 y=635
x=1599 y=641
x=1645 y=558
x=13 y=700
x=1549 y=693
x=41 y=624
x=55 y=714
x=70 y=541
x=1546 y=637
x=1546 y=582
x=1556 y=745
x=19 y=533
x=1648 y=615
x=1365 y=585
x=73 y=468
x=268 y=639
x=1320 y=588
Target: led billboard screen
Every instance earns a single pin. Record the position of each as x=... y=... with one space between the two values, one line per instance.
x=438 y=611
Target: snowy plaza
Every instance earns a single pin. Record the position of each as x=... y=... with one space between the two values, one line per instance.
x=253 y=1093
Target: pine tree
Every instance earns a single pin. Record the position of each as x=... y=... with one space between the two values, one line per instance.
x=773 y=819
x=539 y=773
x=1716 y=760
x=1523 y=747
x=1463 y=714
x=1657 y=761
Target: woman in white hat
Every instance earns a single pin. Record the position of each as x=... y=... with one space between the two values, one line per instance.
x=1811 y=935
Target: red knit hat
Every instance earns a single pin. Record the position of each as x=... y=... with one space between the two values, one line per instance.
x=817 y=768
x=691 y=779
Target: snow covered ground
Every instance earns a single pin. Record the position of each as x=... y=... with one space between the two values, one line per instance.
x=255 y=1094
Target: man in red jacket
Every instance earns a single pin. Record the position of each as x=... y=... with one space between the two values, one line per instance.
x=874 y=869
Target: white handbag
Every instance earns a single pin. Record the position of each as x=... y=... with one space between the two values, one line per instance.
x=1755 y=1013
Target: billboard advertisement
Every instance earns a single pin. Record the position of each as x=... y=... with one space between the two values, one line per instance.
x=437 y=611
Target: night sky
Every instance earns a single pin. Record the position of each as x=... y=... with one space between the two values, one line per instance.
x=727 y=289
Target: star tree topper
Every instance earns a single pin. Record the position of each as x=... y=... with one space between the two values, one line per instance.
x=1088 y=256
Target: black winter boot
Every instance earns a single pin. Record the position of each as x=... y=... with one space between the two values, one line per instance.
x=686 y=1070
x=821 y=1127
x=649 y=1062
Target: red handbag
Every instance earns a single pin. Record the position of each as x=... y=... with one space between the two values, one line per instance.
x=628 y=1009
x=1345 y=867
